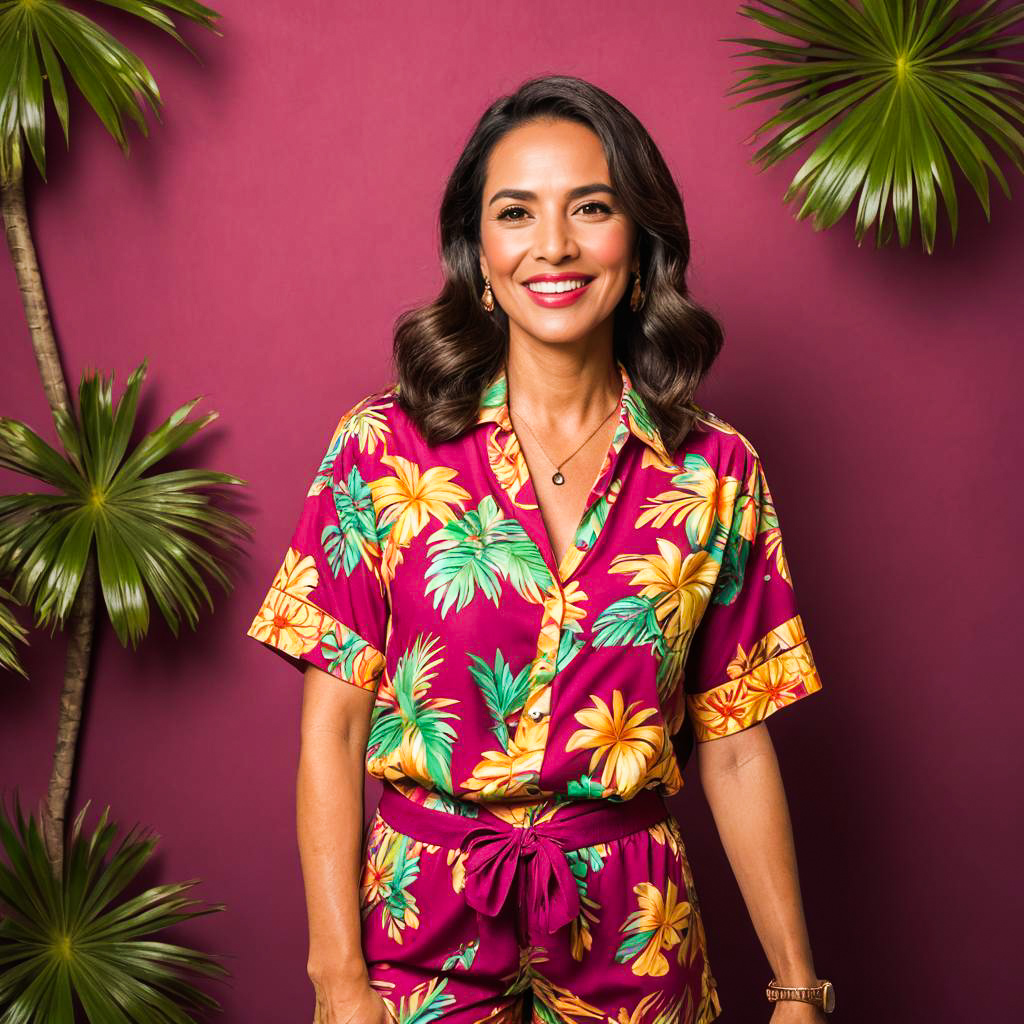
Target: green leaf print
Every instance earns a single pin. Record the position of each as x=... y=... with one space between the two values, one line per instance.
x=584 y=862
x=503 y=692
x=634 y=945
x=585 y=788
x=325 y=471
x=475 y=551
x=341 y=655
x=356 y=532
x=385 y=731
x=463 y=957
x=423 y=722
x=734 y=558
x=630 y=620
x=400 y=902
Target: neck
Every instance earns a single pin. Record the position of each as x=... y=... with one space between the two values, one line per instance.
x=561 y=389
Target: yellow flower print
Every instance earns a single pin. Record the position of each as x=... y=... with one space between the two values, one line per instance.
x=679 y=588
x=408 y=499
x=565 y=606
x=657 y=925
x=702 y=503
x=378 y=875
x=285 y=618
x=629 y=748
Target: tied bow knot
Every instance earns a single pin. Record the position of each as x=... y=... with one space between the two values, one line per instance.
x=496 y=856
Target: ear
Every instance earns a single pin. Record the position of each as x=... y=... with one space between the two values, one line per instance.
x=483 y=267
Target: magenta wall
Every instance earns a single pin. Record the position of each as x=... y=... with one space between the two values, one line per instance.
x=257 y=248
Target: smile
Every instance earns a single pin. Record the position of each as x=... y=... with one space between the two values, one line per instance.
x=556 y=293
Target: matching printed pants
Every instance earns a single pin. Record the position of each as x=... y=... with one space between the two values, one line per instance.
x=554 y=912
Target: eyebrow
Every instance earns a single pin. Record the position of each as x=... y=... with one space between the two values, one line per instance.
x=576 y=193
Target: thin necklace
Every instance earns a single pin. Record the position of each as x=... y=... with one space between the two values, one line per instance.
x=557 y=477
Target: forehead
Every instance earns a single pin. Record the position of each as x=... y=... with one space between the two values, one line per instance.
x=542 y=155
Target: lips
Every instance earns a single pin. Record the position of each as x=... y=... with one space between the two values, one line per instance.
x=559 y=277
x=565 y=297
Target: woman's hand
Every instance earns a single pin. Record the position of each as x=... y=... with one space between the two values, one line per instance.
x=793 y=1011
x=349 y=1001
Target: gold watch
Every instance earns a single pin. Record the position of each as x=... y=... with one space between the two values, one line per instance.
x=822 y=995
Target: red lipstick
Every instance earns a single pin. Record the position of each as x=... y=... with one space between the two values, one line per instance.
x=554 y=299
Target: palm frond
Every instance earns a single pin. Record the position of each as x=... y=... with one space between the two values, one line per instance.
x=901 y=89
x=76 y=936
x=151 y=533
x=40 y=39
x=11 y=632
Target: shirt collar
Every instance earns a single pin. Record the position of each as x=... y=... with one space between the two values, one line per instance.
x=633 y=411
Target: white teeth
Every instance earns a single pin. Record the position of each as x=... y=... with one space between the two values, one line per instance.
x=553 y=287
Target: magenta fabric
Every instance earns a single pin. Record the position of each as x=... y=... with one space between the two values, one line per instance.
x=529 y=862
x=501 y=680
x=635 y=953
x=425 y=575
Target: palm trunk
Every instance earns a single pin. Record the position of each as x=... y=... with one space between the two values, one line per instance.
x=82 y=616
x=30 y=283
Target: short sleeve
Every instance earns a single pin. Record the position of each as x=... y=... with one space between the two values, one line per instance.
x=327 y=605
x=750 y=656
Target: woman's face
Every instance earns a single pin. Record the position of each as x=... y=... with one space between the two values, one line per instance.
x=549 y=211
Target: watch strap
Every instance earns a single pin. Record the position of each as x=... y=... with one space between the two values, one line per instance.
x=806 y=994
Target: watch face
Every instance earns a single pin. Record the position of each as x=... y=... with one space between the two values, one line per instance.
x=828 y=997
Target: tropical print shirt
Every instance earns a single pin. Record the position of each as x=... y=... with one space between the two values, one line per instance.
x=425 y=575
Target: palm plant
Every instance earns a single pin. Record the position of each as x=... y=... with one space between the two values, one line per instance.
x=37 y=37
x=904 y=86
x=11 y=631
x=68 y=937
x=143 y=529
x=138 y=535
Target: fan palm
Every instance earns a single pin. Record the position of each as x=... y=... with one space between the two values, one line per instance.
x=11 y=631
x=904 y=86
x=37 y=39
x=65 y=937
x=144 y=530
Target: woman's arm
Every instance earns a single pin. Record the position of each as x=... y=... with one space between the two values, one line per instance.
x=329 y=812
x=740 y=777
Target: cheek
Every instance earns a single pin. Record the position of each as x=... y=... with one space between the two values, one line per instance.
x=502 y=251
x=611 y=248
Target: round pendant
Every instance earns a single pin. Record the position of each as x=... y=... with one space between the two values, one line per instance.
x=558 y=478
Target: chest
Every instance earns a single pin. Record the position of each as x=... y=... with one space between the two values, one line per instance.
x=533 y=623
x=561 y=506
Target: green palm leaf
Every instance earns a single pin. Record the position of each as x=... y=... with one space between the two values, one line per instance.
x=77 y=936
x=11 y=632
x=147 y=530
x=37 y=38
x=900 y=87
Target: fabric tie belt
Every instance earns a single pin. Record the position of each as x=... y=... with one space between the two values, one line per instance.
x=498 y=853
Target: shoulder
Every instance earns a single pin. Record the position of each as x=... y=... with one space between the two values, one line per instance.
x=362 y=432
x=725 y=447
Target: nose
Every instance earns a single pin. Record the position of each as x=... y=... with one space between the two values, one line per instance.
x=554 y=240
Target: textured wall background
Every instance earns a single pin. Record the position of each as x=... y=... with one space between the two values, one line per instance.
x=257 y=248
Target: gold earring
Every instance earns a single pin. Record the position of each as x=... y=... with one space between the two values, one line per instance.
x=636 y=300
x=487 y=298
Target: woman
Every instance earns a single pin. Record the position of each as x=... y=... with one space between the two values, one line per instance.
x=547 y=575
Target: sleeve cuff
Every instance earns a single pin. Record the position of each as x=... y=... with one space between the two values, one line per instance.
x=762 y=683
x=303 y=632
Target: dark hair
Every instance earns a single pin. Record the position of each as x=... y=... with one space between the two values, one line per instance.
x=445 y=352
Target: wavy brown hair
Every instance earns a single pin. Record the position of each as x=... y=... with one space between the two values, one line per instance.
x=445 y=352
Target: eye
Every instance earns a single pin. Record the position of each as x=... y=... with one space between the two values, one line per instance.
x=602 y=207
x=508 y=209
